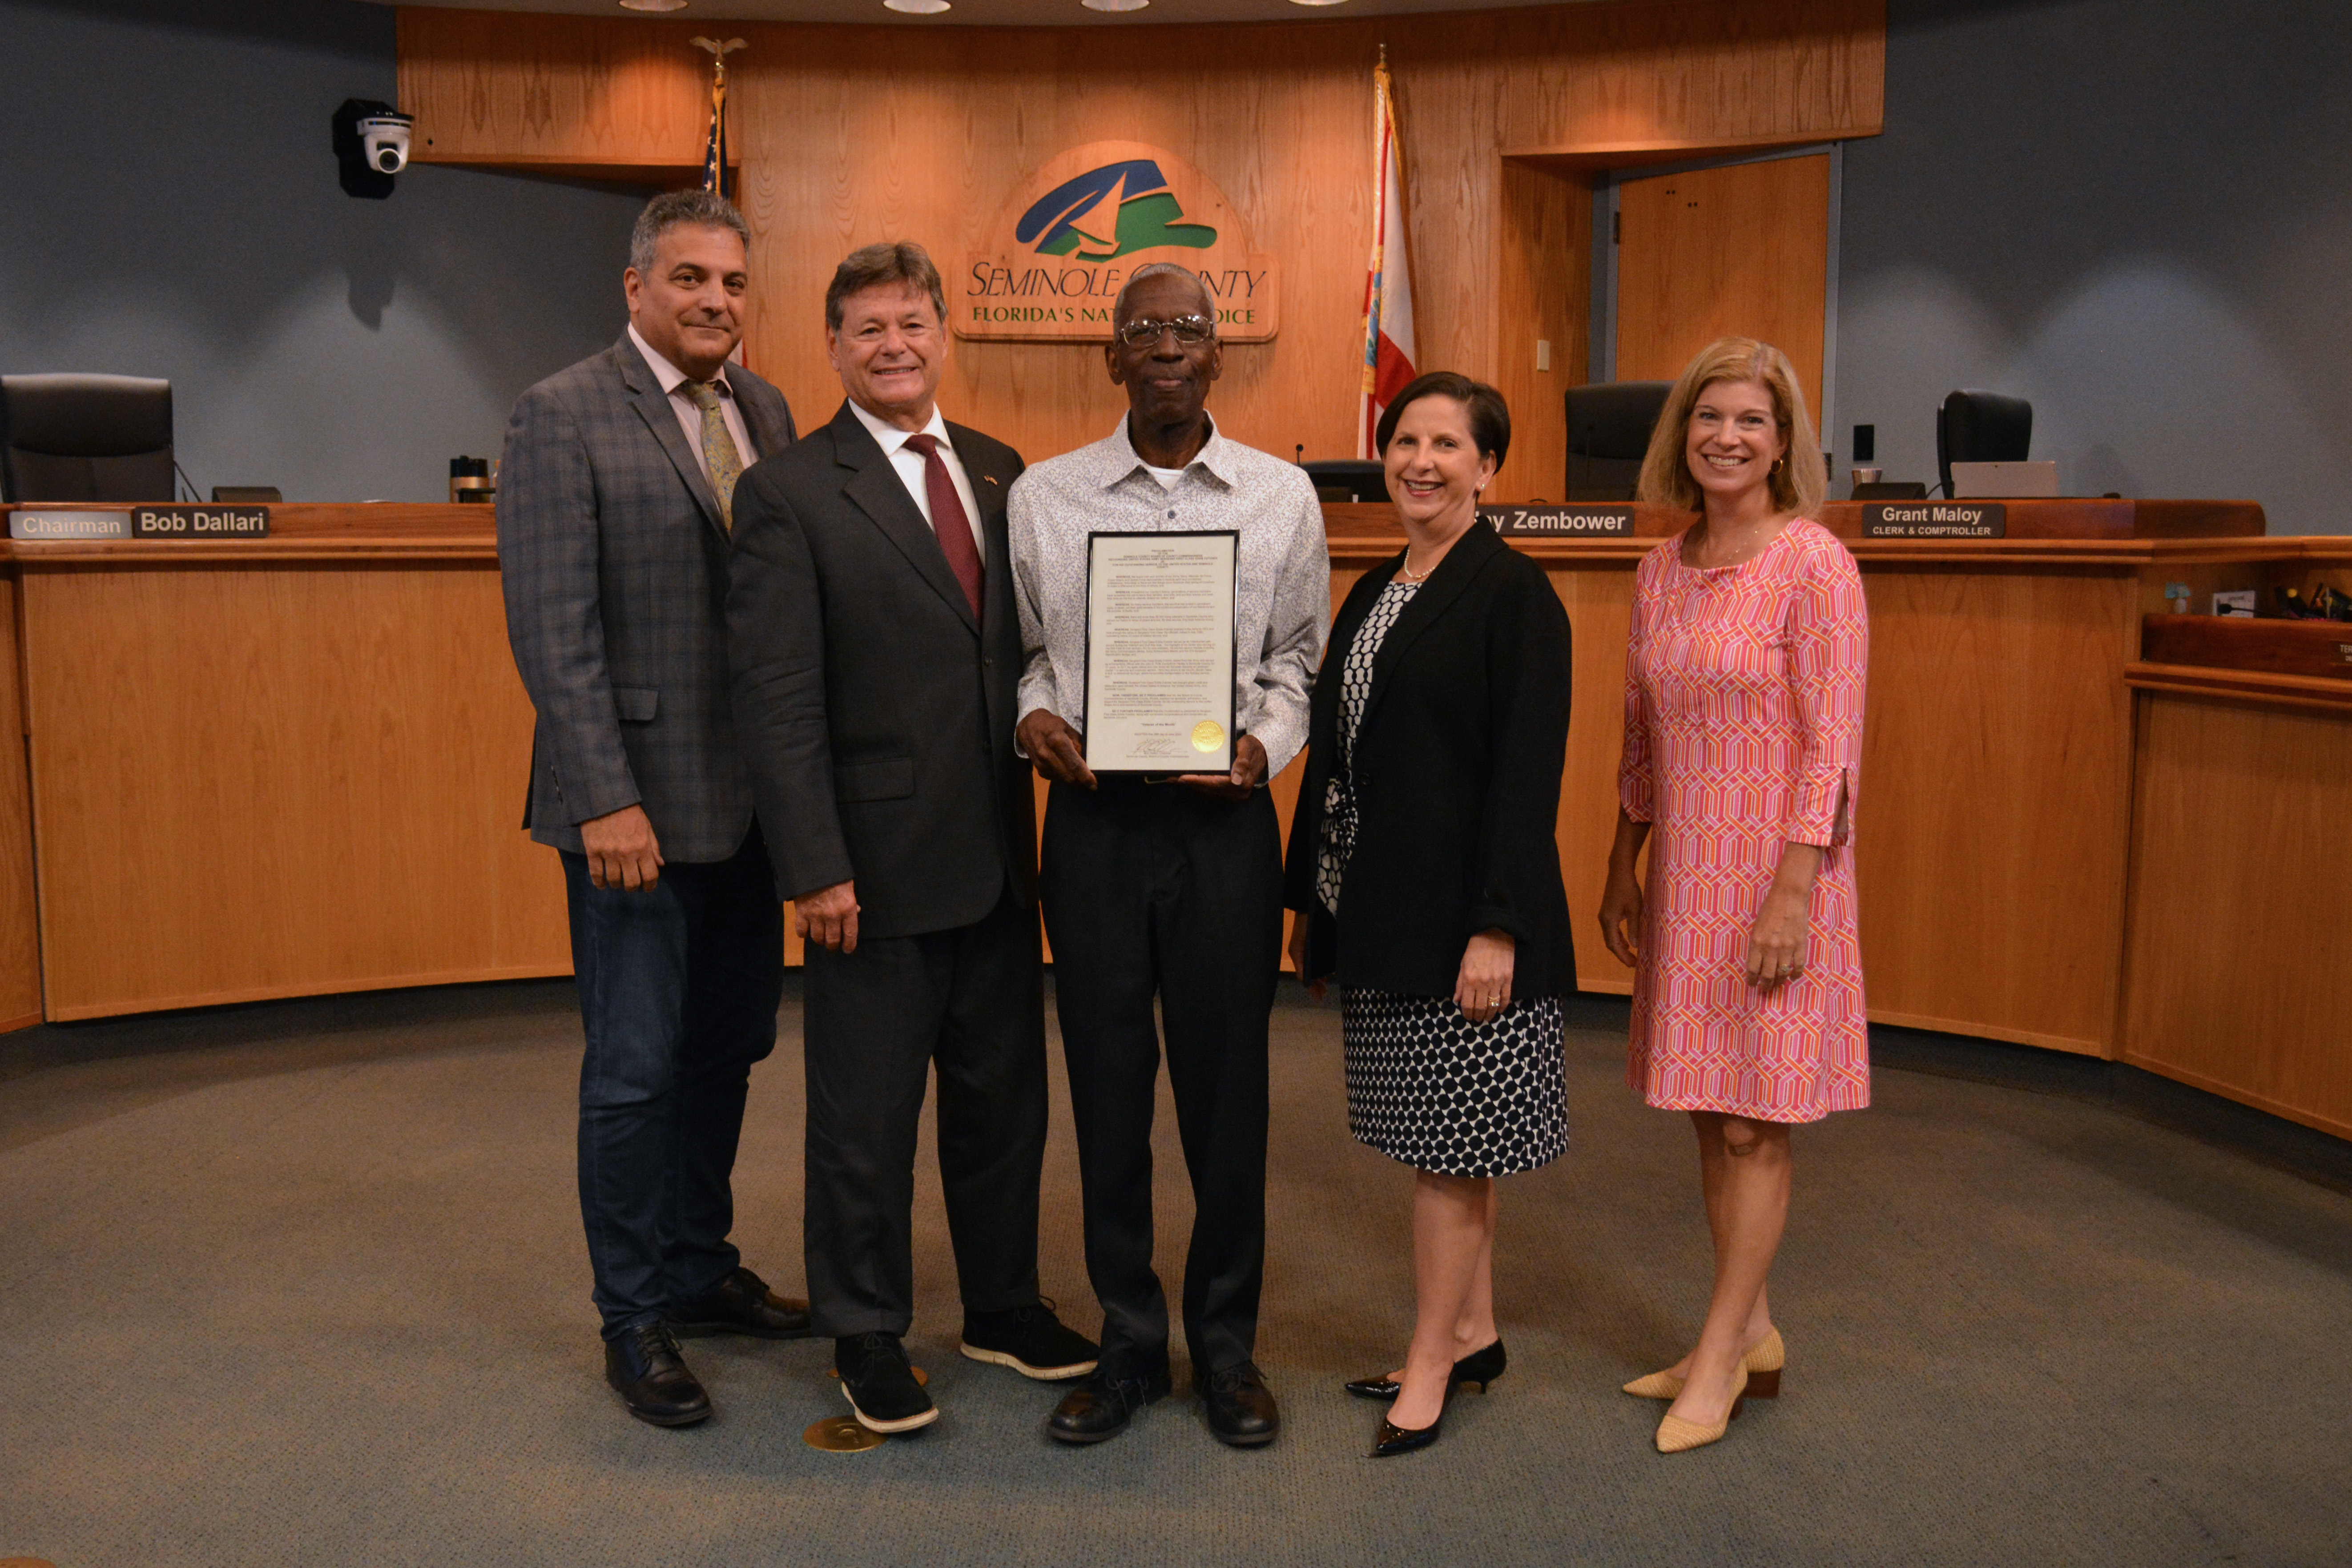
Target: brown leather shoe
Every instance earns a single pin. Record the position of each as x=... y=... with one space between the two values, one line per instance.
x=741 y=1304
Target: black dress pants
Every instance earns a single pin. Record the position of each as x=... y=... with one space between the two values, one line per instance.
x=678 y=989
x=971 y=1001
x=1155 y=889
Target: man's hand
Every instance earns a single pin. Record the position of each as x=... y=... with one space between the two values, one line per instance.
x=1058 y=750
x=828 y=917
x=1249 y=772
x=622 y=850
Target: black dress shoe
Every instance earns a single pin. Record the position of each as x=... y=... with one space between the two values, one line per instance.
x=741 y=1304
x=644 y=1366
x=1241 y=1408
x=881 y=1387
x=1102 y=1405
x=1030 y=1339
x=1480 y=1366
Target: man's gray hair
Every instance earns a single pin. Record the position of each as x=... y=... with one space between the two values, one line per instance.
x=1160 y=270
x=706 y=209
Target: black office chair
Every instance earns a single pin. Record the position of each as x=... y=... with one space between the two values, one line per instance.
x=1609 y=426
x=1344 y=479
x=85 y=438
x=1982 y=427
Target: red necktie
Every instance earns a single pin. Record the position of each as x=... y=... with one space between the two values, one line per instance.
x=948 y=519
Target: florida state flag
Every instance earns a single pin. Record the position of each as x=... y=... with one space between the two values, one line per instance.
x=1388 y=292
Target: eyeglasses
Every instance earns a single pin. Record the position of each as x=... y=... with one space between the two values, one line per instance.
x=1191 y=330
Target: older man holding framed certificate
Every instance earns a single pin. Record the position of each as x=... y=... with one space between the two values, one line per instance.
x=1174 y=594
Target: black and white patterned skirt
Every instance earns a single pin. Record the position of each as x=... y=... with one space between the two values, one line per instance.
x=1428 y=1087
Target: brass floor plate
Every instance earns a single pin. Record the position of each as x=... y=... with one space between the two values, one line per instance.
x=840 y=1435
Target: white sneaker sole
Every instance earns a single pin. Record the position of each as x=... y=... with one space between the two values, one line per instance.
x=908 y=1425
x=1042 y=1374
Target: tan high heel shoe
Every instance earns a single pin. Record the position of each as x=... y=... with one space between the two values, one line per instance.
x=1677 y=1436
x=1764 y=1361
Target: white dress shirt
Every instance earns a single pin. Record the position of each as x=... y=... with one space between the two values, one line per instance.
x=1281 y=589
x=910 y=466
x=689 y=413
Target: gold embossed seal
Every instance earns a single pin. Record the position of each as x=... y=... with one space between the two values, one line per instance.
x=1208 y=735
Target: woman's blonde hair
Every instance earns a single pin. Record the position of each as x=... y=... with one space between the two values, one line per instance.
x=1802 y=480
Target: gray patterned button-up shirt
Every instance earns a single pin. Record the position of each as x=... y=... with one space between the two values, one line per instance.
x=1282 y=595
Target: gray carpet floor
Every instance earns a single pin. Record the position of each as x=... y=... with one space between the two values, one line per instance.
x=303 y=1284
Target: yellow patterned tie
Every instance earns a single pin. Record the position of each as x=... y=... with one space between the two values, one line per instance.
x=718 y=453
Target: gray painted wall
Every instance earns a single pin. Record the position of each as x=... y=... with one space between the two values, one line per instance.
x=171 y=210
x=2136 y=215
x=2135 y=212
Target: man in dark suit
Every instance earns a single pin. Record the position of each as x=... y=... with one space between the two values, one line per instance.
x=875 y=651
x=617 y=486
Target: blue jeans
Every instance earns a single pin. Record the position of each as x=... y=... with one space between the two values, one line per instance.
x=678 y=992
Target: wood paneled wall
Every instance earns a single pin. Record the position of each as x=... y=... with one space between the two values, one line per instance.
x=855 y=134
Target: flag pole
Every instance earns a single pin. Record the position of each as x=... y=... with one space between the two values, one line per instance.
x=714 y=155
x=1388 y=345
x=1368 y=379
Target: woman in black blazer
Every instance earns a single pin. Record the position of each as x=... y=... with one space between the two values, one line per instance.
x=1423 y=866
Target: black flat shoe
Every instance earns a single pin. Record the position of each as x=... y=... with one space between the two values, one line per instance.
x=1480 y=1366
x=880 y=1383
x=644 y=1368
x=1030 y=1339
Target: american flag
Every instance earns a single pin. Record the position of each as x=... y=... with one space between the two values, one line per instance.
x=714 y=156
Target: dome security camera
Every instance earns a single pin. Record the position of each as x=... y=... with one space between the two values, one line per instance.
x=370 y=141
x=384 y=139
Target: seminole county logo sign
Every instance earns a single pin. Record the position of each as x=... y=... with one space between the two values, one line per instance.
x=1058 y=254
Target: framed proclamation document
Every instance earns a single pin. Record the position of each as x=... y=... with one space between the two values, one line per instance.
x=1159 y=652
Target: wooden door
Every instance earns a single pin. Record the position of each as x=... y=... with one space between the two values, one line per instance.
x=1738 y=251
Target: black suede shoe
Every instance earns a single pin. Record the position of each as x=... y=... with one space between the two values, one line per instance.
x=1102 y=1405
x=881 y=1387
x=1241 y=1408
x=1030 y=1339
x=644 y=1366
x=741 y=1304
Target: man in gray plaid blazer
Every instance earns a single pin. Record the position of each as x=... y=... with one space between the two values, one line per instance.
x=616 y=494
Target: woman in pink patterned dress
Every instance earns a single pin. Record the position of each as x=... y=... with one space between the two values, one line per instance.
x=1743 y=736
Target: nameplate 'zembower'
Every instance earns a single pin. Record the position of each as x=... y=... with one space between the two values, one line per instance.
x=1057 y=255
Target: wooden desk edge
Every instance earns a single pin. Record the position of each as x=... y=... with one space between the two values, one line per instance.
x=352 y=546
x=2241 y=686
